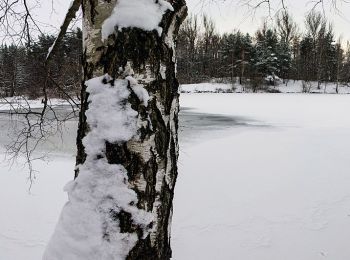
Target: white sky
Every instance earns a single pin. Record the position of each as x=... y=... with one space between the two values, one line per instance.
x=229 y=15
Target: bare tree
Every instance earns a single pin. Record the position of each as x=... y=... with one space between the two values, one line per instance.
x=314 y=23
x=187 y=49
x=286 y=27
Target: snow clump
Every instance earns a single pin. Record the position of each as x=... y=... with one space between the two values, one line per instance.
x=88 y=228
x=143 y=14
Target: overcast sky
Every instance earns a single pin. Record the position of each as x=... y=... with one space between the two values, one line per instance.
x=229 y=15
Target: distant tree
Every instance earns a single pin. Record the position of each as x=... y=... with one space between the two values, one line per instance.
x=316 y=30
x=188 y=63
x=246 y=54
x=209 y=47
x=339 y=63
x=229 y=55
x=295 y=72
x=236 y=51
x=345 y=72
x=286 y=27
x=267 y=62
x=307 y=57
x=12 y=69
x=284 y=58
x=22 y=70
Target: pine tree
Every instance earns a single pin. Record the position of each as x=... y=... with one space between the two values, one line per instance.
x=267 y=63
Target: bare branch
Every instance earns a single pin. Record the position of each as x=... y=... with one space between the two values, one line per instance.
x=16 y=21
x=73 y=9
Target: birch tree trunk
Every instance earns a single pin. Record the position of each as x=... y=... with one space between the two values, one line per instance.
x=146 y=61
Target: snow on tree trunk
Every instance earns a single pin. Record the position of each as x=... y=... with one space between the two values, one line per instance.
x=120 y=203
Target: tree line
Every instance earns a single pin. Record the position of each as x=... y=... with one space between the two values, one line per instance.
x=273 y=53
x=22 y=69
x=279 y=51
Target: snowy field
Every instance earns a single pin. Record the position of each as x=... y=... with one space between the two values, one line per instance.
x=261 y=177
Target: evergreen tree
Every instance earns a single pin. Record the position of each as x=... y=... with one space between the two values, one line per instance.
x=267 y=63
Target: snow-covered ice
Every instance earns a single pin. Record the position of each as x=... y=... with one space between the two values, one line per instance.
x=261 y=176
x=271 y=183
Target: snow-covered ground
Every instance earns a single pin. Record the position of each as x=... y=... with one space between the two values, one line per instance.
x=325 y=88
x=20 y=102
x=206 y=88
x=261 y=177
x=290 y=87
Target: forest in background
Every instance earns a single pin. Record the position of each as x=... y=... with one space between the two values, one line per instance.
x=281 y=51
x=273 y=54
x=23 y=71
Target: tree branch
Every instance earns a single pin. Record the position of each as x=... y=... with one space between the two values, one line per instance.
x=63 y=29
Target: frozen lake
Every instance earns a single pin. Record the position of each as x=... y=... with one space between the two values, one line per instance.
x=261 y=177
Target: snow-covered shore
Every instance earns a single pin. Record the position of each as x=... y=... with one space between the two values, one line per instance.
x=22 y=103
x=290 y=87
